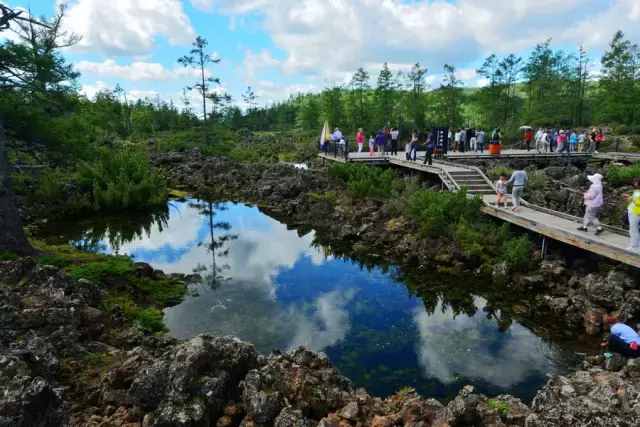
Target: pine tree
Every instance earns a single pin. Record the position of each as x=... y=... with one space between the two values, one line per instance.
x=416 y=102
x=619 y=81
x=384 y=95
x=451 y=97
x=200 y=59
x=360 y=108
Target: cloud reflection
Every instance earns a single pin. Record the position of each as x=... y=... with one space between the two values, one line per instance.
x=471 y=347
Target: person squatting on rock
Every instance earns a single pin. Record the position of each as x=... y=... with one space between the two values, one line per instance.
x=624 y=340
x=593 y=202
x=518 y=180
x=633 y=211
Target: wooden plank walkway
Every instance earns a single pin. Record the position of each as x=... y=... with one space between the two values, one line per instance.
x=612 y=243
x=618 y=157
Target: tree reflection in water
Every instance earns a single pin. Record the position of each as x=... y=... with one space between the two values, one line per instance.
x=218 y=246
x=116 y=230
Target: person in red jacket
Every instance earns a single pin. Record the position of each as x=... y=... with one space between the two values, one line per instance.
x=360 y=140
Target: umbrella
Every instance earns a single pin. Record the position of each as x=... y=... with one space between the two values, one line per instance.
x=325 y=135
x=525 y=128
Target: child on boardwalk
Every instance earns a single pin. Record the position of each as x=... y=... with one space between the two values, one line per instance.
x=501 y=190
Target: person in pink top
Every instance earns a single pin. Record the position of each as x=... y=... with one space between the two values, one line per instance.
x=593 y=202
x=360 y=140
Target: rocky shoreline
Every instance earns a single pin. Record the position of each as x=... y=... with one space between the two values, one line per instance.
x=65 y=360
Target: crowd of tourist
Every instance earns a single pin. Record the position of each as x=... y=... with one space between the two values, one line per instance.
x=549 y=140
x=439 y=141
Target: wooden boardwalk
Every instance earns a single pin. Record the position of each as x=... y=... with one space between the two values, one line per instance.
x=612 y=243
x=618 y=157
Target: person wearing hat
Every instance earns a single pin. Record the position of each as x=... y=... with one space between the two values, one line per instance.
x=593 y=202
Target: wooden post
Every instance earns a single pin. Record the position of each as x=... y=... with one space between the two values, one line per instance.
x=545 y=247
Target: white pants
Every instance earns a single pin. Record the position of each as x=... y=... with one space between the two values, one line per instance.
x=516 y=195
x=591 y=217
x=360 y=147
x=634 y=232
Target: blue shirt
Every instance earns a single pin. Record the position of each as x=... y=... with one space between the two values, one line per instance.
x=625 y=333
x=518 y=178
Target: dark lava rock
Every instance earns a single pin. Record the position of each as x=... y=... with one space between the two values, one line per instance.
x=190 y=383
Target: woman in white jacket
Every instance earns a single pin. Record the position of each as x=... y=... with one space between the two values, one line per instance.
x=593 y=202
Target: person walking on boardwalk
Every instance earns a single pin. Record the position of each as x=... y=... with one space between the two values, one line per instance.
x=428 y=157
x=381 y=141
x=519 y=181
x=413 y=146
x=634 y=216
x=573 y=142
x=395 y=136
x=480 y=140
x=372 y=145
x=501 y=190
x=593 y=202
x=360 y=140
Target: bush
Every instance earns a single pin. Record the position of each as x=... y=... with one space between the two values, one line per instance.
x=364 y=181
x=623 y=175
x=51 y=185
x=516 y=252
x=622 y=130
x=150 y=320
x=439 y=213
x=8 y=256
x=123 y=179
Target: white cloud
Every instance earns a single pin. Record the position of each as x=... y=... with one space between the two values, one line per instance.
x=127 y=27
x=322 y=37
x=205 y=5
x=136 y=71
x=90 y=90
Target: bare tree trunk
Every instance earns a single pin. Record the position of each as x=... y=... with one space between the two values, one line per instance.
x=12 y=237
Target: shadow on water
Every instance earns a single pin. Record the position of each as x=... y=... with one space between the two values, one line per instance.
x=382 y=326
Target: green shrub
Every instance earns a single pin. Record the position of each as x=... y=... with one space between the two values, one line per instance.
x=501 y=407
x=438 y=213
x=162 y=292
x=516 y=252
x=8 y=256
x=51 y=185
x=113 y=266
x=622 y=130
x=122 y=179
x=150 y=320
x=623 y=175
x=364 y=181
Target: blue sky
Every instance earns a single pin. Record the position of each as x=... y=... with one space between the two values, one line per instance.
x=286 y=46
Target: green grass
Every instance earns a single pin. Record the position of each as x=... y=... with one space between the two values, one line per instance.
x=99 y=271
x=140 y=298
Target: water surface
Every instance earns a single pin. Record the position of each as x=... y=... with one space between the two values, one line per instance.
x=266 y=284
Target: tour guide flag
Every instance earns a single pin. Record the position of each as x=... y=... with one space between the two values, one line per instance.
x=325 y=135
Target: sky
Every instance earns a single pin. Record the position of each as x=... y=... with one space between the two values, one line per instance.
x=283 y=47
